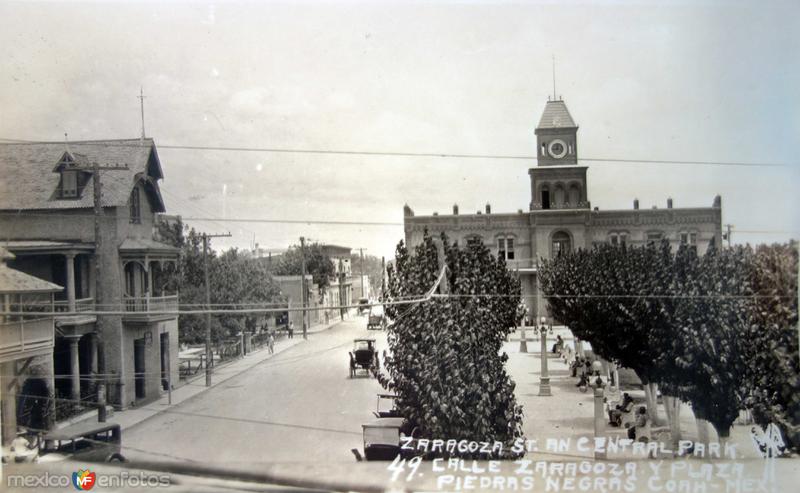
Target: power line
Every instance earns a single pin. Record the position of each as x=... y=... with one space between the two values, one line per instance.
x=280 y=150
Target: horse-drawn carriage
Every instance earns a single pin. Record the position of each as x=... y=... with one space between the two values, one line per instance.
x=364 y=356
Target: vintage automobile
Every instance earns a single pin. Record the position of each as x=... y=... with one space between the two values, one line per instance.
x=85 y=442
x=382 y=438
x=386 y=407
x=376 y=318
x=364 y=356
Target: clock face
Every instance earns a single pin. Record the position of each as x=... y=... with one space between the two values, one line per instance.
x=557 y=149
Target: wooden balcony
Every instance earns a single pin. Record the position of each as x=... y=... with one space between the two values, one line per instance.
x=26 y=338
x=146 y=309
x=79 y=316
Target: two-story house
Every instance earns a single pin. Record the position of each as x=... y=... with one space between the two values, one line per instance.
x=26 y=351
x=118 y=324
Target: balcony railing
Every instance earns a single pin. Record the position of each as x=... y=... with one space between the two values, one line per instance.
x=81 y=305
x=146 y=304
x=25 y=338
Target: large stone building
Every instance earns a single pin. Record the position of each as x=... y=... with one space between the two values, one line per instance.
x=47 y=221
x=560 y=216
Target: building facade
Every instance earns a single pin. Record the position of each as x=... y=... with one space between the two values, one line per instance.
x=560 y=217
x=113 y=328
x=26 y=351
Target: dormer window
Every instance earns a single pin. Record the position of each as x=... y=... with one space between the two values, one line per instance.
x=69 y=183
x=136 y=210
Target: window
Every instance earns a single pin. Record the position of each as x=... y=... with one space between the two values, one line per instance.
x=544 y=149
x=474 y=239
x=689 y=239
x=505 y=248
x=574 y=195
x=654 y=236
x=561 y=243
x=69 y=184
x=545 y=199
x=136 y=211
x=618 y=238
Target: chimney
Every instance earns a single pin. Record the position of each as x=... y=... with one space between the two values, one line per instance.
x=717 y=202
x=635 y=203
x=407 y=211
x=488 y=208
x=455 y=209
x=669 y=203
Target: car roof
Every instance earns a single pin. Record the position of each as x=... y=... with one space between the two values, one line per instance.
x=79 y=430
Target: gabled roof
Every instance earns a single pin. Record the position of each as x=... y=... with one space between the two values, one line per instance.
x=556 y=115
x=30 y=177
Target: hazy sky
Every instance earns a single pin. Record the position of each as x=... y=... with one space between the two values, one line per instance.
x=697 y=81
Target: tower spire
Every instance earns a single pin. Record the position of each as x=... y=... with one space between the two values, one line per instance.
x=554 y=78
x=141 y=104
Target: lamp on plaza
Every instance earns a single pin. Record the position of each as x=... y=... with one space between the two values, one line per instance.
x=544 y=379
x=598 y=385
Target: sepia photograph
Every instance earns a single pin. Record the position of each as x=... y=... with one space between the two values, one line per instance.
x=400 y=246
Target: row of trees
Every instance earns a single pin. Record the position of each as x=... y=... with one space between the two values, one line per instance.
x=445 y=362
x=236 y=280
x=718 y=331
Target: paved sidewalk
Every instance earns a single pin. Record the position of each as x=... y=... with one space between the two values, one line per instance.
x=196 y=385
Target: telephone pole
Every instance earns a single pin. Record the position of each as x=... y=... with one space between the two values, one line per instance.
x=209 y=354
x=727 y=235
x=303 y=284
x=97 y=192
x=383 y=278
x=361 y=269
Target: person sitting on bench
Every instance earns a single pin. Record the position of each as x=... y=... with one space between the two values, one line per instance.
x=615 y=415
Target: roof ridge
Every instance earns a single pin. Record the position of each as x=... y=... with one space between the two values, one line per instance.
x=78 y=142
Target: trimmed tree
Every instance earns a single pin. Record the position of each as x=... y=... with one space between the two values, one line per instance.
x=445 y=361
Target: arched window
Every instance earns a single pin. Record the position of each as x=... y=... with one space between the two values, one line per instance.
x=559 y=197
x=561 y=243
x=574 y=195
x=545 y=195
x=505 y=247
x=136 y=210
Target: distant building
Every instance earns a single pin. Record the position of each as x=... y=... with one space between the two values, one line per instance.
x=26 y=351
x=46 y=214
x=560 y=217
x=340 y=288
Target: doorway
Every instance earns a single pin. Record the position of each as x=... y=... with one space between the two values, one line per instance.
x=139 y=367
x=165 y=361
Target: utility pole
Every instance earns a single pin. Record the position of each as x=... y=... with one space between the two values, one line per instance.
x=97 y=192
x=361 y=269
x=303 y=283
x=341 y=289
x=209 y=354
x=383 y=278
x=727 y=235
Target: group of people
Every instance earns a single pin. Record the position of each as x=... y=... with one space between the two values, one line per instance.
x=615 y=416
x=582 y=369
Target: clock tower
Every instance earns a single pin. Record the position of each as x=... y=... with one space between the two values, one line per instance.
x=556 y=136
x=558 y=182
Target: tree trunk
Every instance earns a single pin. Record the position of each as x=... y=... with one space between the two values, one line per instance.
x=702 y=427
x=672 y=406
x=650 y=395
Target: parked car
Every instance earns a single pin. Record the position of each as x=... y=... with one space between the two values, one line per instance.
x=85 y=442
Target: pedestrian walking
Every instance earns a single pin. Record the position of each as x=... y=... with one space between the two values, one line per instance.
x=271 y=342
x=291 y=330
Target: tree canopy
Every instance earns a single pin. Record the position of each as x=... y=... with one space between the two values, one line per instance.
x=445 y=361
x=319 y=265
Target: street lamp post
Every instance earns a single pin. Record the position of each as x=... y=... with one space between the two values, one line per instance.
x=544 y=379
x=599 y=415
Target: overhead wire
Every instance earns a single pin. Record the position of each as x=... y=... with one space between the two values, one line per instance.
x=348 y=152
